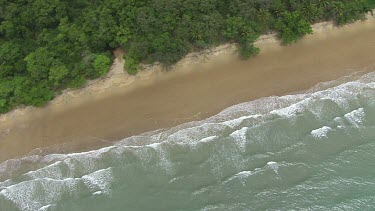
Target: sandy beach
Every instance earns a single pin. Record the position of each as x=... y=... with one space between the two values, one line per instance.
x=199 y=86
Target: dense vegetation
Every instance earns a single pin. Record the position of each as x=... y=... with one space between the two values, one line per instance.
x=49 y=45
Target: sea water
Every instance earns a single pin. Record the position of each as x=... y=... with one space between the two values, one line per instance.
x=309 y=151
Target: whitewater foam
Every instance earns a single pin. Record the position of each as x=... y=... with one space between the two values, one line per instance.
x=66 y=174
x=101 y=179
x=356 y=117
x=240 y=137
x=45 y=208
x=321 y=132
x=208 y=139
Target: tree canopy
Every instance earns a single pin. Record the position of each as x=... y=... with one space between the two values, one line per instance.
x=49 y=45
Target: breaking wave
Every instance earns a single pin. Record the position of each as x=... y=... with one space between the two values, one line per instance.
x=277 y=153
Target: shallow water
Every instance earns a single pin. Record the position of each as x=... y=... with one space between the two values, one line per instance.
x=310 y=151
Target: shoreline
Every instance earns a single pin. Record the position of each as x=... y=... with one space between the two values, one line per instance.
x=117 y=77
x=36 y=124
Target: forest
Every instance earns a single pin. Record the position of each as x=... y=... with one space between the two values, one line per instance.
x=51 y=45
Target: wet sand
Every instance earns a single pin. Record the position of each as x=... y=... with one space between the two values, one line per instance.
x=197 y=92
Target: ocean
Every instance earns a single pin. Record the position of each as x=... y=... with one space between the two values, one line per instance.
x=307 y=151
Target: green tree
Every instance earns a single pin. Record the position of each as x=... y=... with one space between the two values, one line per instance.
x=39 y=95
x=337 y=8
x=292 y=26
x=263 y=15
x=48 y=45
x=323 y=4
x=39 y=62
x=11 y=61
x=310 y=11
x=57 y=74
x=3 y=105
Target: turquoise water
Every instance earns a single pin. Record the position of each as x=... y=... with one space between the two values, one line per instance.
x=310 y=151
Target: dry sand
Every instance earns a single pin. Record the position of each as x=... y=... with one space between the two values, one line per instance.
x=199 y=86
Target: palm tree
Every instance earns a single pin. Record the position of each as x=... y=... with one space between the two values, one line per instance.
x=337 y=8
x=247 y=31
x=195 y=34
x=278 y=12
x=323 y=4
x=310 y=11
x=263 y=15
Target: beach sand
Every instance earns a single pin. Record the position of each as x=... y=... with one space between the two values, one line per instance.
x=199 y=86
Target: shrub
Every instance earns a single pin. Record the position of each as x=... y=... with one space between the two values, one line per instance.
x=101 y=65
x=247 y=50
x=77 y=82
x=131 y=66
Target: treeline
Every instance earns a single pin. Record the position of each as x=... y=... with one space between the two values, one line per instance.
x=49 y=45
